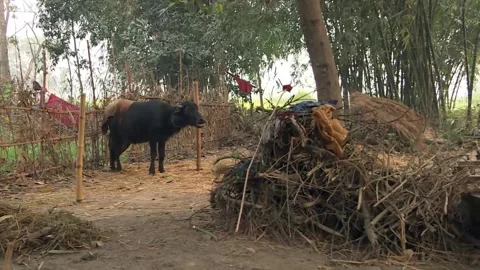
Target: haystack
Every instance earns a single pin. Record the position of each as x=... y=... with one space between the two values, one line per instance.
x=299 y=189
x=378 y=117
x=44 y=232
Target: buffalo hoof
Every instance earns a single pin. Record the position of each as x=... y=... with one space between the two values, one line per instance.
x=151 y=171
x=161 y=170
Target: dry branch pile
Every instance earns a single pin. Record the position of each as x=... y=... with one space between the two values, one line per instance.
x=393 y=203
x=43 y=233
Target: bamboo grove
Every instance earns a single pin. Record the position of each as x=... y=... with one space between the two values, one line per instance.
x=417 y=52
x=410 y=51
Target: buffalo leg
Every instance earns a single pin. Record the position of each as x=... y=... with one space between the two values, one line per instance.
x=153 y=155
x=124 y=146
x=161 y=156
x=112 y=147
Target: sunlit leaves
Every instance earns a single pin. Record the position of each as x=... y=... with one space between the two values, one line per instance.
x=243 y=36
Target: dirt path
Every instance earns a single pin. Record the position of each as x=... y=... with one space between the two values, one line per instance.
x=150 y=216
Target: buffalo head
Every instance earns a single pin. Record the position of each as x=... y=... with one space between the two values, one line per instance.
x=187 y=114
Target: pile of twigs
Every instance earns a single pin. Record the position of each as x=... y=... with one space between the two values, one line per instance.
x=297 y=189
x=50 y=232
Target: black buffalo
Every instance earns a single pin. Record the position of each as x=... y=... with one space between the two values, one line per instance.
x=151 y=121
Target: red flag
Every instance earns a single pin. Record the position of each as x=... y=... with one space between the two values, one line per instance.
x=243 y=86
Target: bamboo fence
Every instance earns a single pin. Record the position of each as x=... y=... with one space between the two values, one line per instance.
x=34 y=143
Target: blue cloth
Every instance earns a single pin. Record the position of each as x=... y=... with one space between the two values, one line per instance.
x=307 y=106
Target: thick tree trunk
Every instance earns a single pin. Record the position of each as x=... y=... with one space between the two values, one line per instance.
x=319 y=50
x=4 y=64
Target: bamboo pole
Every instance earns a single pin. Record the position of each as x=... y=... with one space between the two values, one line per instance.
x=129 y=77
x=129 y=94
x=91 y=76
x=180 y=80
x=42 y=103
x=196 y=99
x=260 y=90
x=95 y=139
x=7 y=263
x=44 y=86
x=81 y=143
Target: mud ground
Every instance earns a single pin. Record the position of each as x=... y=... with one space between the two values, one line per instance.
x=150 y=218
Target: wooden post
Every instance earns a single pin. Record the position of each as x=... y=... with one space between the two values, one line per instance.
x=91 y=76
x=196 y=99
x=42 y=104
x=44 y=86
x=7 y=263
x=260 y=90
x=189 y=89
x=129 y=77
x=95 y=138
x=251 y=104
x=130 y=94
x=180 y=72
x=81 y=143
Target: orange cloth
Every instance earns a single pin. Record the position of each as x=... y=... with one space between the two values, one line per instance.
x=330 y=129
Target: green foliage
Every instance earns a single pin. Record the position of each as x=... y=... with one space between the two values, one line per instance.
x=403 y=49
x=242 y=36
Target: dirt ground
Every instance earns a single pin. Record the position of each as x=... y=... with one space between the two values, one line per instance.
x=149 y=215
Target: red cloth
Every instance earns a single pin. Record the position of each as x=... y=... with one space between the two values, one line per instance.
x=57 y=104
x=287 y=87
x=243 y=86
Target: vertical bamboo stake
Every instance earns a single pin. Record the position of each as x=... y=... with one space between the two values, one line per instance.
x=129 y=77
x=42 y=103
x=7 y=263
x=81 y=142
x=42 y=92
x=260 y=90
x=91 y=76
x=131 y=151
x=180 y=80
x=188 y=82
x=95 y=138
x=196 y=99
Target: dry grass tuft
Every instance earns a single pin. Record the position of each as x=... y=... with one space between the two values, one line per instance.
x=53 y=231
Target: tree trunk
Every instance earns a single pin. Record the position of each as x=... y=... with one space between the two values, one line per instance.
x=4 y=64
x=320 y=51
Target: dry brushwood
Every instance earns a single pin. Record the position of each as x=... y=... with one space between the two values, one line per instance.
x=53 y=230
x=298 y=188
